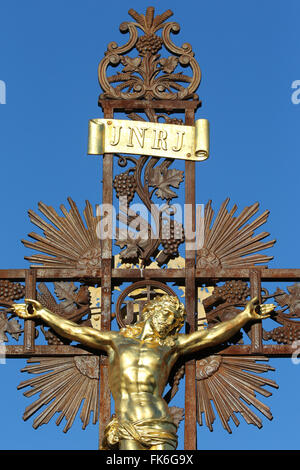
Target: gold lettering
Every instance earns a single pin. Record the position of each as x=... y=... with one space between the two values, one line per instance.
x=179 y=142
x=117 y=135
x=160 y=140
x=139 y=133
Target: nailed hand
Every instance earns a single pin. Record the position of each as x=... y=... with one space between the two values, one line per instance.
x=28 y=310
x=257 y=311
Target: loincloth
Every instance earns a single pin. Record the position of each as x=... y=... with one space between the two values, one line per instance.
x=147 y=432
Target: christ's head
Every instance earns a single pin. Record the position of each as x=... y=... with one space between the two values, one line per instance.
x=165 y=314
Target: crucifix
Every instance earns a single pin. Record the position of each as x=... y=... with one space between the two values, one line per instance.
x=101 y=273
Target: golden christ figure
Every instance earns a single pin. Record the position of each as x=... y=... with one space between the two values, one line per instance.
x=141 y=357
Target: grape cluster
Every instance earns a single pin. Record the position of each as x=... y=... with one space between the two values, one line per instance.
x=125 y=185
x=171 y=237
x=233 y=291
x=52 y=339
x=11 y=290
x=149 y=43
x=285 y=335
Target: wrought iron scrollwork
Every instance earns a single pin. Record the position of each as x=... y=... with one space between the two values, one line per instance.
x=287 y=315
x=149 y=76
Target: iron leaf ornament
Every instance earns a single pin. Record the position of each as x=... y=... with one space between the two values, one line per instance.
x=149 y=76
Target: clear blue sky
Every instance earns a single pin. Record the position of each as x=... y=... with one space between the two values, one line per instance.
x=249 y=55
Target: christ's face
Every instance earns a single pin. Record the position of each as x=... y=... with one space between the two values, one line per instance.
x=163 y=321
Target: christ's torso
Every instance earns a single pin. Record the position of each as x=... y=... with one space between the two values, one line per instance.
x=138 y=373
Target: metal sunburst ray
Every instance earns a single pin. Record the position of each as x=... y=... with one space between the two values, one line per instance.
x=229 y=241
x=69 y=241
x=231 y=384
x=63 y=384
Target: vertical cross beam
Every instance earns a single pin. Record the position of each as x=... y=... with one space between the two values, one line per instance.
x=256 y=328
x=29 y=325
x=190 y=430
x=106 y=289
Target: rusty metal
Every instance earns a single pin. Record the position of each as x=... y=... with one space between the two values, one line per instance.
x=148 y=75
x=67 y=242
x=29 y=325
x=256 y=329
x=176 y=106
x=41 y=350
x=17 y=351
x=202 y=275
x=287 y=317
x=190 y=429
x=106 y=286
x=224 y=381
x=65 y=383
x=229 y=242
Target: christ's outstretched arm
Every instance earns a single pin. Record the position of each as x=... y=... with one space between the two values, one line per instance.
x=85 y=335
x=220 y=333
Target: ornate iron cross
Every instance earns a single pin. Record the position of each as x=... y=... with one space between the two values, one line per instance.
x=100 y=282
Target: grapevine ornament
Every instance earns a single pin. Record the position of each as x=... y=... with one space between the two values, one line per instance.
x=172 y=235
x=233 y=291
x=125 y=185
x=149 y=44
x=149 y=75
x=10 y=291
x=283 y=335
x=287 y=317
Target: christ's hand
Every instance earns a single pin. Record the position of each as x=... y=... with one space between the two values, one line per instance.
x=256 y=311
x=29 y=310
